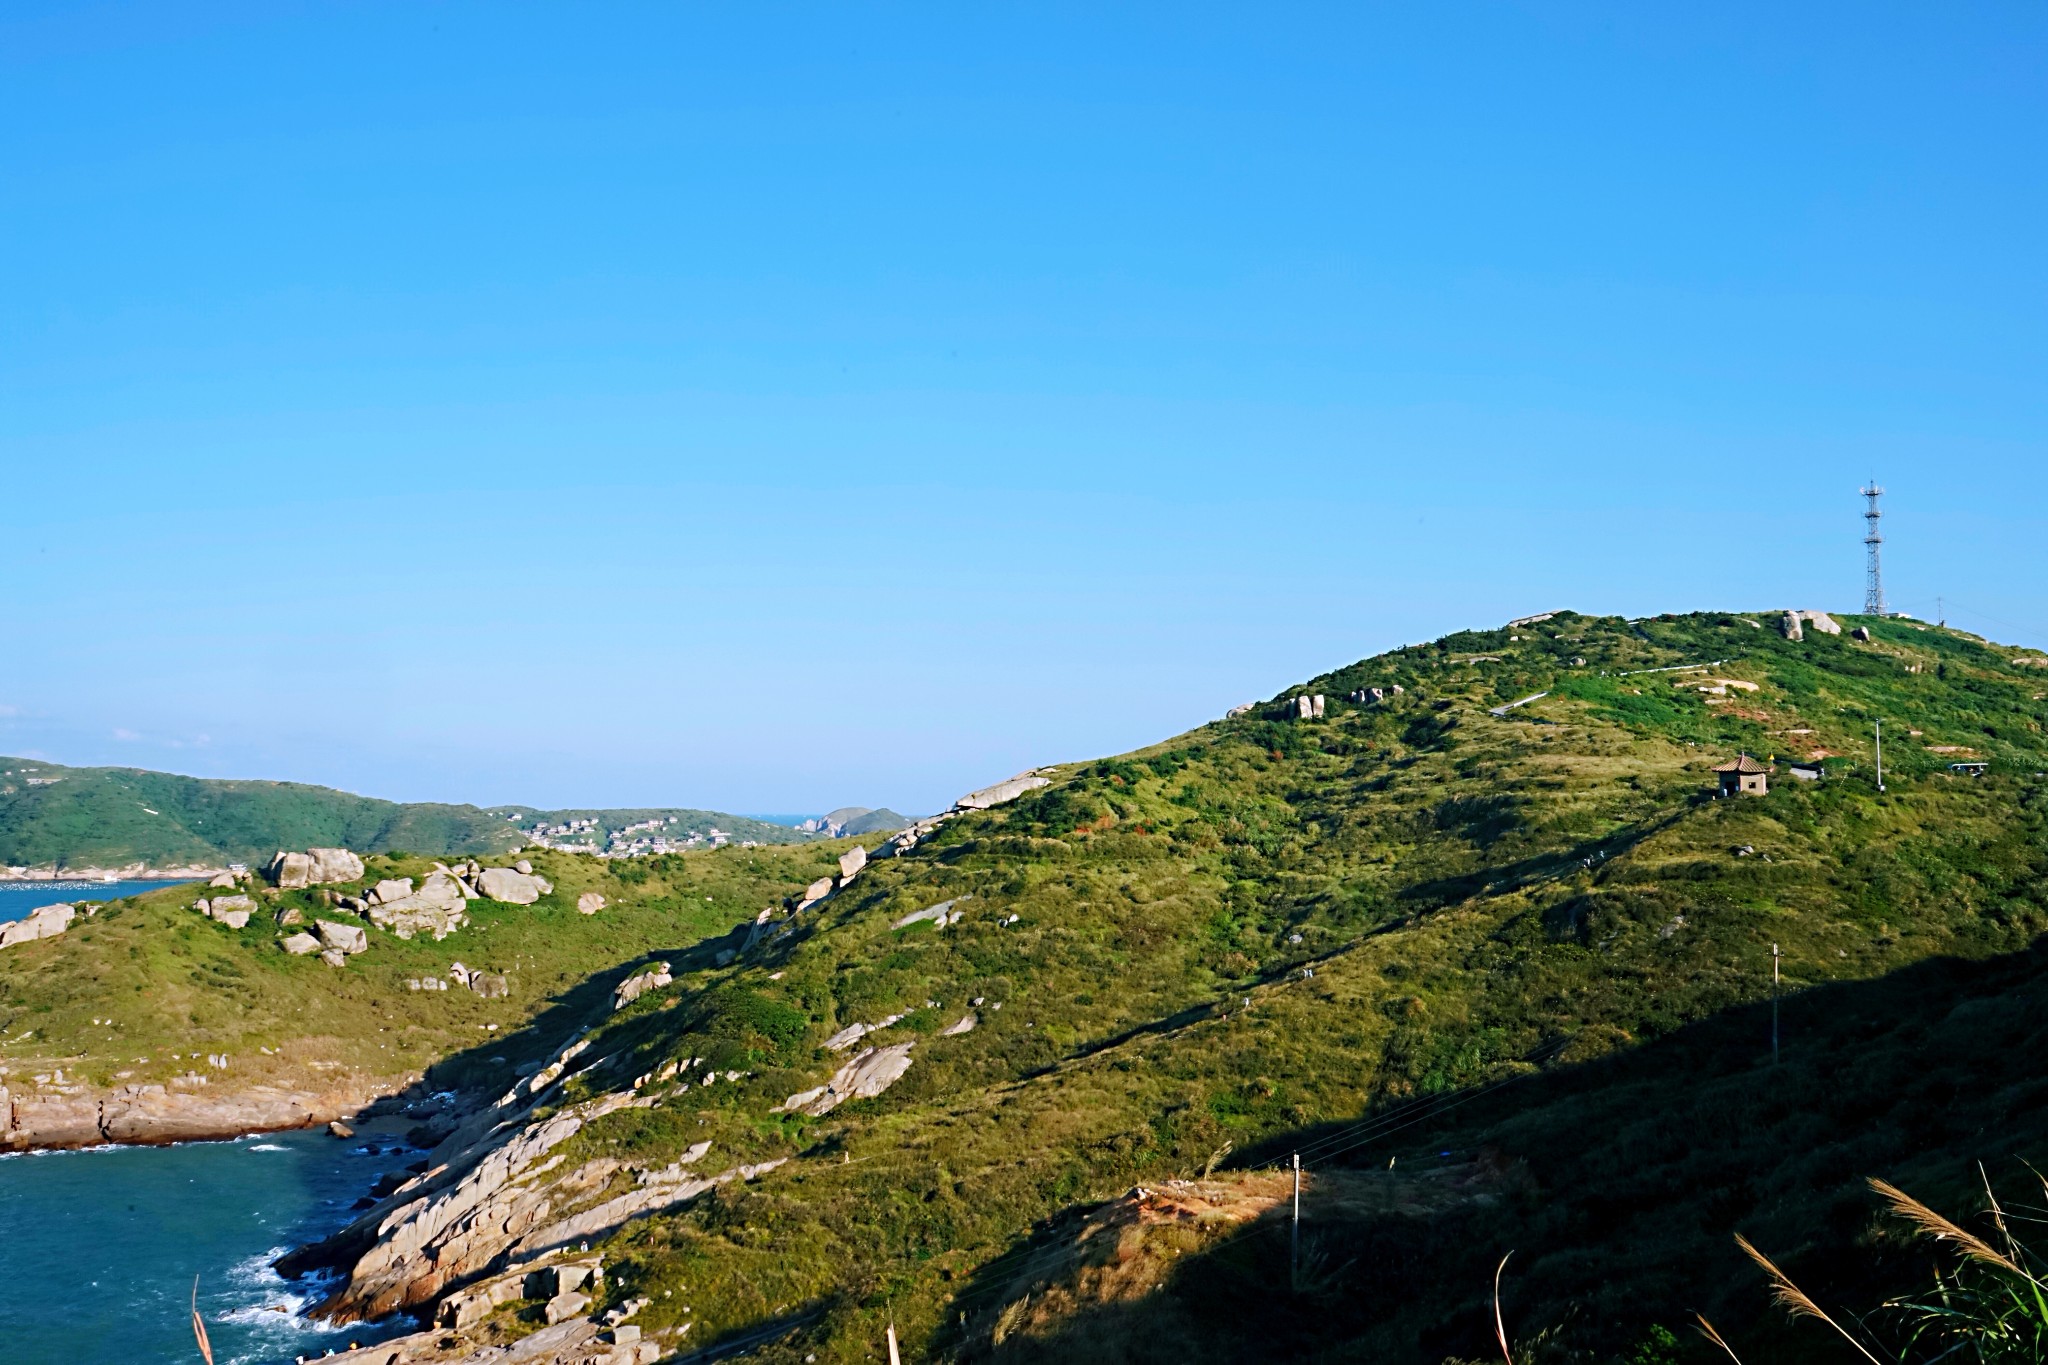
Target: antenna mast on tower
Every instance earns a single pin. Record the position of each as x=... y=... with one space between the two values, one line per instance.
x=1873 y=575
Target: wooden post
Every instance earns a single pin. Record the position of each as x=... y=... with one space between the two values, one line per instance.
x=1879 y=731
x=894 y=1359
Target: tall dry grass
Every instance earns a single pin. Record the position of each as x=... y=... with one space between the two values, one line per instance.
x=1989 y=1307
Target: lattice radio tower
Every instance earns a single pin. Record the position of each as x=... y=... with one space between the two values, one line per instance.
x=1873 y=573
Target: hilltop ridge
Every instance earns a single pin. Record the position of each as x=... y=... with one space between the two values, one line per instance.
x=1427 y=921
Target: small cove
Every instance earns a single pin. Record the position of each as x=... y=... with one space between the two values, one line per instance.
x=100 y=1247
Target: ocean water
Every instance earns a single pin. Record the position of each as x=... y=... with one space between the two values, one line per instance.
x=18 y=898
x=99 y=1248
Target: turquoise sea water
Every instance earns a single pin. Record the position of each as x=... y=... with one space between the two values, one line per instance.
x=18 y=898
x=98 y=1249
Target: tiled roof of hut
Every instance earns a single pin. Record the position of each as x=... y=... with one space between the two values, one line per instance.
x=1744 y=764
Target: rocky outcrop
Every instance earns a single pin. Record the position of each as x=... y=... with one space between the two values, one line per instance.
x=851 y=862
x=298 y=945
x=589 y=903
x=577 y=1341
x=853 y=1033
x=344 y=938
x=867 y=1075
x=149 y=1114
x=45 y=921
x=1008 y=790
x=943 y=913
x=513 y=886
x=436 y=908
x=314 y=867
x=1795 y=622
x=633 y=987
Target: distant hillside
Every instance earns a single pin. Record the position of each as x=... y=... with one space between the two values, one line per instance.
x=55 y=816
x=853 y=821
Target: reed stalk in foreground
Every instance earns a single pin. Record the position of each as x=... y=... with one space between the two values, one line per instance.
x=199 y=1325
x=1992 y=1308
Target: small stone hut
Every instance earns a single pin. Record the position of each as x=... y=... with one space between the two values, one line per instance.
x=1744 y=777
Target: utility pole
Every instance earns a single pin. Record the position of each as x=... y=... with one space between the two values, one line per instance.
x=1774 y=1004
x=894 y=1359
x=1294 y=1251
x=1878 y=728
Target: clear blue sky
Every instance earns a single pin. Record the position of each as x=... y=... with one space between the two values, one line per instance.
x=770 y=407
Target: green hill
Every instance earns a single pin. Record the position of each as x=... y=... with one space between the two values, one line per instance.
x=54 y=816
x=1525 y=956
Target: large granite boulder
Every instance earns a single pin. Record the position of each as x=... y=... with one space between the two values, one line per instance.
x=867 y=1075
x=349 y=938
x=315 y=867
x=298 y=945
x=512 y=887
x=46 y=921
x=589 y=903
x=1008 y=790
x=851 y=862
x=633 y=987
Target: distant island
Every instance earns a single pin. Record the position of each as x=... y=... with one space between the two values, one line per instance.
x=64 y=821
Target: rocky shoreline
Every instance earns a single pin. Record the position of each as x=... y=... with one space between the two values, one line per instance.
x=131 y=872
x=153 y=1115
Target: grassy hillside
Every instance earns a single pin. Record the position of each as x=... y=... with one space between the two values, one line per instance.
x=1477 y=898
x=1522 y=955
x=52 y=815
x=170 y=984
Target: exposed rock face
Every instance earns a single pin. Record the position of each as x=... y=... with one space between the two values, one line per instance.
x=46 y=921
x=348 y=938
x=315 y=867
x=633 y=987
x=589 y=903
x=223 y=879
x=868 y=1074
x=298 y=945
x=1795 y=622
x=853 y=1033
x=437 y=908
x=1008 y=790
x=233 y=911
x=816 y=892
x=512 y=886
x=155 y=1113
x=964 y=1024
x=578 y=1341
x=494 y=1200
x=943 y=913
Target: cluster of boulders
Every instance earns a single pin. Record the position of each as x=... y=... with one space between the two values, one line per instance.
x=1373 y=696
x=336 y=943
x=1795 y=623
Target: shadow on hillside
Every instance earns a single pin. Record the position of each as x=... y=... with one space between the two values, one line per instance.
x=1508 y=878
x=483 y=1071
x=1627 y=1177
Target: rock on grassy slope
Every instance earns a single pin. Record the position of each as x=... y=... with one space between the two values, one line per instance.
x=1265 y=932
